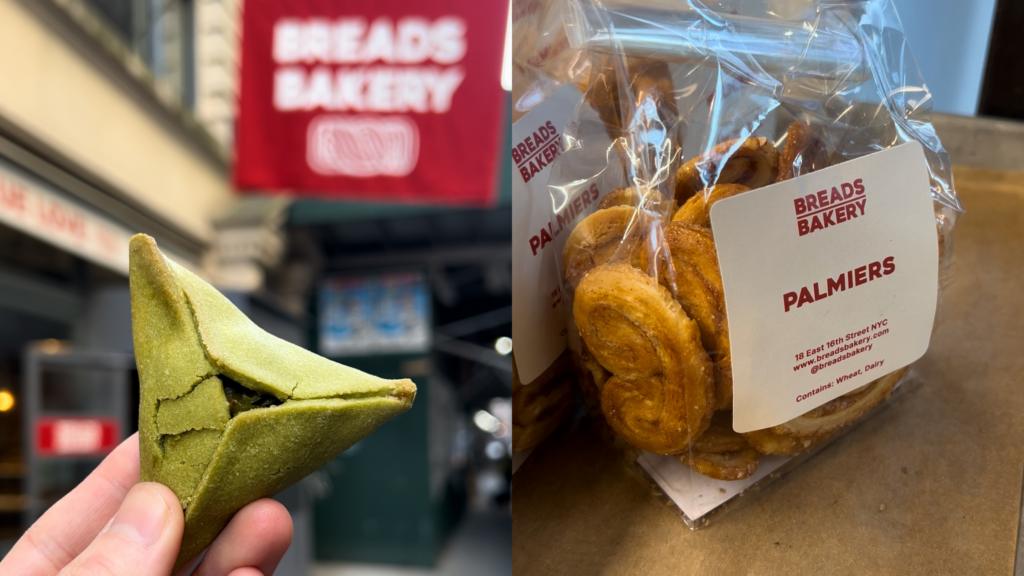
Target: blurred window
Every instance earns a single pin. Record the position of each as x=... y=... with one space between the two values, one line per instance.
x=161 y=33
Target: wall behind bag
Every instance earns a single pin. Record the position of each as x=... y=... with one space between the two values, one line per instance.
x=950 y=42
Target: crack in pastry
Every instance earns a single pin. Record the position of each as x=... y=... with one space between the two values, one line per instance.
x=241 y=399
x=753 y=162
x=203 y=408
x=696 y=281
x=661 y=394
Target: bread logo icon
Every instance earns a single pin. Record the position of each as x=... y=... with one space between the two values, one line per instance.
x=362 y=146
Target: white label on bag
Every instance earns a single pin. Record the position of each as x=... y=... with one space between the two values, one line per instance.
x=831 y=282
x=538 y=326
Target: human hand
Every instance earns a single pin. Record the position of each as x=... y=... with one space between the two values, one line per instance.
x=111 y=525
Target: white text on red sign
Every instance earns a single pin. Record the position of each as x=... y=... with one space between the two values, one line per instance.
x=382 y=66
x=76 y=436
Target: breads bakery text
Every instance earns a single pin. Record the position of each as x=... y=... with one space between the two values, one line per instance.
x=825 y=208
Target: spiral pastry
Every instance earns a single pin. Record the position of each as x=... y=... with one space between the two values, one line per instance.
x=696 y=281
x=540 y=406
x=805 y=151
x=697 y=210
x=610 y=234
x=820 y=424
x=721 y=453
x=753 y=163
x=661 y=394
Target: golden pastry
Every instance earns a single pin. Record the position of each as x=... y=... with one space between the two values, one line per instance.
x=697 y=210
x=540 y=406
x=805 y=151
x=768 y=442
x=652 y=200
x=648 y=80
x=611 y=234
x=753 y=163
x=696 y=281
x=720 y=452
x=661 y=394
x=816 y=426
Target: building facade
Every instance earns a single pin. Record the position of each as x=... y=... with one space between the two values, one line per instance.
x=115 y=119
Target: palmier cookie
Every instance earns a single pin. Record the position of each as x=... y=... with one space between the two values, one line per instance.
x=697 y=210
x=606 y=235
x=721 y=453
x=661 y=395
x=753 y=162
x=696 y=281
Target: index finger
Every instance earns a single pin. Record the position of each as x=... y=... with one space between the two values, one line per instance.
x=67 y=528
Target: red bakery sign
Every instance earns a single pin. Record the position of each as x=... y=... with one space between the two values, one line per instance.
x=76 y=436
x=389 y=100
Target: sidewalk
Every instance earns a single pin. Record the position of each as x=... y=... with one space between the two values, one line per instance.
x=480 y=546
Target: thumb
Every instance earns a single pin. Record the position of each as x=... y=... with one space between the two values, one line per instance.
x=143 y=537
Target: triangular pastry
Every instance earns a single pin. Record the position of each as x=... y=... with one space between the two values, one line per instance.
x=228 y=413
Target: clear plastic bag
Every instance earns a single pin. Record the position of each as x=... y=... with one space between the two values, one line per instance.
x=687 y=103
x=540 y=406
x=542 y=60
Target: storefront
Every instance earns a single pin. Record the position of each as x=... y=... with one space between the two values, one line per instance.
x=63 y=287
x=104 y=135
x=89 y=155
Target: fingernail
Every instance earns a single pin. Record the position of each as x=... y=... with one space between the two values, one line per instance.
x=142 y=515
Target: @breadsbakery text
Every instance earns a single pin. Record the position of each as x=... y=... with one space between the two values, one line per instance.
x=838 y=350
x=842 y=348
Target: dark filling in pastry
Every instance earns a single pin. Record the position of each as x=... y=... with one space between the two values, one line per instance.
x=241 y=399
